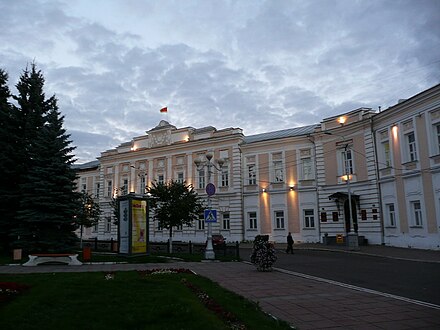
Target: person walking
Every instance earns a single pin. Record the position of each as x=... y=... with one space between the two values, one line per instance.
x=289 y=243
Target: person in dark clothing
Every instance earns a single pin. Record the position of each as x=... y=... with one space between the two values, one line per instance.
x=289 y=243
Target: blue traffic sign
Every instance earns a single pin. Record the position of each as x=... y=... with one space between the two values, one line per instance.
x=210 y=189
x=210 y=215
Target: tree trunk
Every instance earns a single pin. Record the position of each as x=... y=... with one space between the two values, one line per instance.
x=81 y=238
x=170 y=240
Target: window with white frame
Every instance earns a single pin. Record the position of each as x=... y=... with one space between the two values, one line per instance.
x=95 y=227
x=109 y=188
x=385 y=151
x=83 y=184
x=437 y=137
x=201 y=222
x=390 y=214
x=180 y=177
x=279 y=219
x=124 y=190
x=410 y=140
x=347 y=161
x=142 y=184
x=309 y=218
x=224 y=182
x=277 y=164
x=108 y=224
x=252 y=220
x=306 y=168
x=201 y=179
x=417 y=213
x=97 y=189
x=161 y=179
x=226 y=221
x=251 y=170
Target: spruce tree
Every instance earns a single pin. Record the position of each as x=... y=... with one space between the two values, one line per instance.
x=9 y=146
x=48 y=201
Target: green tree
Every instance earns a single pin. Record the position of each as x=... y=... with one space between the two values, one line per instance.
x=88 y=214
x=9 y=162
x=174 y=204
x=48 y=201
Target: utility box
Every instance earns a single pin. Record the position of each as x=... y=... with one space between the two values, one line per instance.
x=133 y=236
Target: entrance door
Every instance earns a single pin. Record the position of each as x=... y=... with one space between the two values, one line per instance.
x=354 y=215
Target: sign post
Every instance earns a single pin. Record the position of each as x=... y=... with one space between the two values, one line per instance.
x=133 y=236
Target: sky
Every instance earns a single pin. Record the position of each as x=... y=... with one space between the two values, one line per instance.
x=254 y=64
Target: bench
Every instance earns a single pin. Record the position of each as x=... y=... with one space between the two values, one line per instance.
x=44 y=258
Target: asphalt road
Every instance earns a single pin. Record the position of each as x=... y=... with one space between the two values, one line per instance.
x=410 y=279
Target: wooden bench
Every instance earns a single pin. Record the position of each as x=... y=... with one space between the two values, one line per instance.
x=44 y=258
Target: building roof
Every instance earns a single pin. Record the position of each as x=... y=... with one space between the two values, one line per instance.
x=92 y=164
x=290 y=132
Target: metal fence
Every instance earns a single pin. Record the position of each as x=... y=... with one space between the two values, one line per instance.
x=227 y=249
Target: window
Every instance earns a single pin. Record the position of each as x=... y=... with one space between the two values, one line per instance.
x=202 y=183
x=226 y=221
x=347 y=161
x=180 y=177
x=97 y=189
x=390 y=214
x=108 y=224
x=277 y=164
x=306 y=168
x=225 y=176
x=252 y=177
x=95 y=227
x=417 y=212
x=201 y=222
x=159 y=227
x=309 y=219
x=109 y=188
x=279 y=219
x=179 y=227
x=83 y=184
x=252 y=220
x=160 y=179
x=437 y=137
x=410 y=139
x=386 y=153
x=124 y=190
x=335 y=216
x=142 y=184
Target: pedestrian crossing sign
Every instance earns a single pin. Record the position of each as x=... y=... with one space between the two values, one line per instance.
x=210 y=215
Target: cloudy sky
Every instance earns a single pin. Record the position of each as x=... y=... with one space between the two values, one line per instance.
x=258 y=65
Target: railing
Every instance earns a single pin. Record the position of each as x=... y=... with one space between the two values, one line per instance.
x=227 y=249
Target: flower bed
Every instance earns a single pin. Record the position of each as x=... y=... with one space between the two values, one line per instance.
x=10 y=290
x=161 y=271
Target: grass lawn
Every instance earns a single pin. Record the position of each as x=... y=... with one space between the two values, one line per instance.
x=129 y=301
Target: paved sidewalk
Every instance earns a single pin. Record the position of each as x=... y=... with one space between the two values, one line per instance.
x=303 y=302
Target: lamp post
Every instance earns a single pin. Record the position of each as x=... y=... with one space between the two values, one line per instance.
x=352 y=236
x=200 y=164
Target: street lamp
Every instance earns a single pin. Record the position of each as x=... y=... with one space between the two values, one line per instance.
x=352 y=236
x=200 y=164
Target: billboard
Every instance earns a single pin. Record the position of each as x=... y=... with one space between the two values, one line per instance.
x=139 y=226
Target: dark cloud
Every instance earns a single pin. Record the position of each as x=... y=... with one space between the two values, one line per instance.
x=261 y=66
